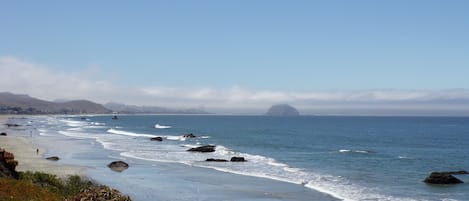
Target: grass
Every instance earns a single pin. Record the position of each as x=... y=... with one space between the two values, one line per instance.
x=12 y=190
x=40 y=186
x=66 y=187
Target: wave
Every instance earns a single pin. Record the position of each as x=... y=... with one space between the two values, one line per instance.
x=162 y=126
x=73 y=123
x=355 y=151
x=120 y=132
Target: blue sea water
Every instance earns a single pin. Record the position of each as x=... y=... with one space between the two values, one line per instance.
x=288 y=158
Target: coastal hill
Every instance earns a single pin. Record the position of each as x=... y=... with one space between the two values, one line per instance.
x=133 y=109
x=23 y=104
x=283 y=110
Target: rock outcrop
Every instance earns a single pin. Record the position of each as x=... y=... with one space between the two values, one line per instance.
x=216 y=160
x=156 y=139
x=443 y=178
x=189 y=135
x=118 y=166
x=237 y=159
x=100 y=193
x=8 y=165
x=206 y=148
x=53 y=158
x=3 y=134
x=282 y=110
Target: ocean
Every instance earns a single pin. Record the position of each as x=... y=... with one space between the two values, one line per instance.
x=288 y=158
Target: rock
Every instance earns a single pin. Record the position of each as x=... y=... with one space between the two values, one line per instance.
x=190 y=135
x=53 y=158
x=442 y=178
x=100 y=193
x=237 y=159
x=216 y=160
x=456 y=172
x=3 y=134
x=282 y=110
x=156 y=139
x=206 y=148
x=118 y=166
x=8 y=165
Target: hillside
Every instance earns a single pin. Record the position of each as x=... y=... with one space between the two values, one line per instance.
x=24 y=104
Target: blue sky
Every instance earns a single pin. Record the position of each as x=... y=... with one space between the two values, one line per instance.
x=275 y=46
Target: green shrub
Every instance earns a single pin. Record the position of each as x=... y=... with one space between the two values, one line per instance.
x=67 y=187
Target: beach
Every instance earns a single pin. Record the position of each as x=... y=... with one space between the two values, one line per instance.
x=26 y=155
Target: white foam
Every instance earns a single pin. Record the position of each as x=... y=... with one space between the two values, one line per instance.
x=354 y=151
x=174 y=137
x=162 y=126
x=76 y=134
x=120 y=132
x=73 y=123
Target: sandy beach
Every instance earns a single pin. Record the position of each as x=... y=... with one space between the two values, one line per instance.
x=25 y=153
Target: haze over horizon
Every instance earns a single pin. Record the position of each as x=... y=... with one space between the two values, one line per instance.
x=240 y=57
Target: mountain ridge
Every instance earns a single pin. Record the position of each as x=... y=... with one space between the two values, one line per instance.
x=24 y=104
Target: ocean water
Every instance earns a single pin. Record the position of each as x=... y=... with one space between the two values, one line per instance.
x=288 y=158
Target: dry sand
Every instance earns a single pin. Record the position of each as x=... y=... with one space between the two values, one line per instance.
x=25 y=153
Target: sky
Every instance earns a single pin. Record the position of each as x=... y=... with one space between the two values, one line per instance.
x=325 y=57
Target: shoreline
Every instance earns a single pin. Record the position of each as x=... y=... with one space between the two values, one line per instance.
x=178 y=181
x=25 y=153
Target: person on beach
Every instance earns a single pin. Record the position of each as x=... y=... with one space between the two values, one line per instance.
x=37 y=151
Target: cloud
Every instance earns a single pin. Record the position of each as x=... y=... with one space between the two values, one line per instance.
x=20 y=76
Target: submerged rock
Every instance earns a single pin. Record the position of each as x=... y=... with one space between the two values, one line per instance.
x=442 y=178
x=456 y=172
x=237 y=159
x=216 y=160
x=282 y=110
x=53 y=158
x=156 y=139
x=206 y=148
x=189 y=135
x=118 y=166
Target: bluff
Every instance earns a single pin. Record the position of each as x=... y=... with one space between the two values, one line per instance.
x=283 y=110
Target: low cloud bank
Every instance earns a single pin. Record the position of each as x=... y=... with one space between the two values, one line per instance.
x=20 y=76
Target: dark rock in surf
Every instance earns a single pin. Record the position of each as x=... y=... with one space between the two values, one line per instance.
x=118 y=166
x=237 y=159
x=3 y=134
x=206 y=148
x=216 y=160
x=190 y=135
x=282 y=110
x=12 y=125
x=53 y=158
x=156 y=139
x=442 y=178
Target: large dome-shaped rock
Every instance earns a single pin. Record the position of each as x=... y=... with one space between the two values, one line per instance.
x=282 y=110
x=118 y=166
x=442 y=178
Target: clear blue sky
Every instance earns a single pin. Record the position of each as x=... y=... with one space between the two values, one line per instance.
x=272 y=45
